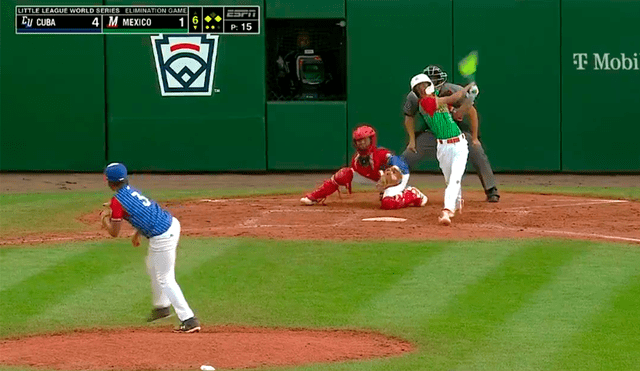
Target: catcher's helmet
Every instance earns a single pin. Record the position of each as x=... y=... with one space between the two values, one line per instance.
x=361 y=132
x=436 y=74
x=115 y=172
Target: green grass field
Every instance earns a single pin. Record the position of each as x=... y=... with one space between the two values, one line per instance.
x=539 y=304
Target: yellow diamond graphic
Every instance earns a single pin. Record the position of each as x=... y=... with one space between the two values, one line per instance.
x=218 y=19
x=207 y=18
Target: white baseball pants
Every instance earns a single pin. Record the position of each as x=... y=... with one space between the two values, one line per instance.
x=161 y=264
x=452 y=158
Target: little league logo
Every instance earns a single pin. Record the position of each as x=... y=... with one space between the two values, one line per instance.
x=185 y=64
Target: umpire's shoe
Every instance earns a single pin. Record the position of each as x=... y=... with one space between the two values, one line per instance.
x=159 y=313
x=492 y=195
x=189 y=325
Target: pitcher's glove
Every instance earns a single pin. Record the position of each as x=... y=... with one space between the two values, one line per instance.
x=105 y=214
x=389 y=178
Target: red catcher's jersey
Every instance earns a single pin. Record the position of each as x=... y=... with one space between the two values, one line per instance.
x=380 y=158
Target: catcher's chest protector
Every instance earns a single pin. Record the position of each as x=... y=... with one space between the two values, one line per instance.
x=378 y=160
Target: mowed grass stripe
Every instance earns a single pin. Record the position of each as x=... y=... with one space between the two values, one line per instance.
x=559 y=311
x=432 y=284
x=124 y=295
x=33 y=295
x=18 y=264
x=486 y=305
x=305 y=283
x=48 y=212
x=196 y=271
x=612 y=339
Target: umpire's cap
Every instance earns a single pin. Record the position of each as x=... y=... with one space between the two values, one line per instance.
x=115 y=172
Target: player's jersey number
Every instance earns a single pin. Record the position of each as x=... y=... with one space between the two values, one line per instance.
x=145 y=201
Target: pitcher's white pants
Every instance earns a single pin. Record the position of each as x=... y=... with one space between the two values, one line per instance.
x=161 y=264
x=453 y=161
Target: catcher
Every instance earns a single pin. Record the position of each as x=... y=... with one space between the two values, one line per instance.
x=391 y=174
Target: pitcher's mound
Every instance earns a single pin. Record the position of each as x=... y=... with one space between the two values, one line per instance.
x=224 y=347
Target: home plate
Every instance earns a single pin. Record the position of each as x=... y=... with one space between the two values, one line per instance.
x=384 y=219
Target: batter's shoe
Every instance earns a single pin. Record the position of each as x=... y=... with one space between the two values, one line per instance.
x=159 y=313
x=445 y=217
x=189 y=326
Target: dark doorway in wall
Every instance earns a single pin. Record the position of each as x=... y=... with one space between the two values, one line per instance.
x=306 y=59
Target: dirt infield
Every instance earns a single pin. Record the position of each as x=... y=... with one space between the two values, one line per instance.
x=342 y=218
x=221 y=347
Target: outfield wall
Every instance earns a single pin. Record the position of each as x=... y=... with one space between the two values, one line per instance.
x=558 y=81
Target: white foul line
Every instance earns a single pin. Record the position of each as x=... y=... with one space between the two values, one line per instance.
x=526 y=208
x=569 y=233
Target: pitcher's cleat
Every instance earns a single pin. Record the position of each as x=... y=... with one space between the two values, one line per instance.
x=189 y=326
x=159 y=313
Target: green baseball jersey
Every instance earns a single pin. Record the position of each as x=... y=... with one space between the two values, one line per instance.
x=410 y=107
x=440 y=121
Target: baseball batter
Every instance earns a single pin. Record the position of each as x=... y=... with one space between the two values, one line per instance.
x=378 y=165
x=163 y=232
x=423 y=144
x=452 y=151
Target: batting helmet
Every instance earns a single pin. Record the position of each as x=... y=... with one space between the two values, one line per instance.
x=436 y=74
x=420 y=78
x=361 y=132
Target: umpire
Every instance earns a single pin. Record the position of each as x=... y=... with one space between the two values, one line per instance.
x=422 y=144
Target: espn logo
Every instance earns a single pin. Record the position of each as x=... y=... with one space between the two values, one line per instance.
x=242 y=13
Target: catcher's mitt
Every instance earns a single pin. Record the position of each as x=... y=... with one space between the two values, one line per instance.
x=389 y=178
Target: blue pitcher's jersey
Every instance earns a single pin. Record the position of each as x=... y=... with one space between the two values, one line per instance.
x=144 y=214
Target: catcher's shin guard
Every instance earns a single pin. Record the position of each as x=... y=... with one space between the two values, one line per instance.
x=327 y=188
x=413 y=197
x=343 y=177
x=409 y=197
x=392 y=202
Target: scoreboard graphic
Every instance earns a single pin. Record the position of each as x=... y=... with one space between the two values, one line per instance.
x=105 y=20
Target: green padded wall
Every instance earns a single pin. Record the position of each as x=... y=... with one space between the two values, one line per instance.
x=52 y=101
x=600 y=124
x=518 y=44
x=306 y=135
x=386 y=47
x=305 y=9
x=222 y=132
